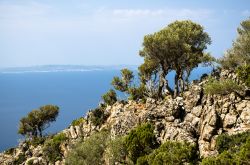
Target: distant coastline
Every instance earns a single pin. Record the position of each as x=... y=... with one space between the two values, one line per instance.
x=63 y=68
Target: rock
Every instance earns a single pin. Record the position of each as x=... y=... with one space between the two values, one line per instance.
x=78 y=131
x=73 y=132
x=197 y=111
x=229 y=121
x=245 y=116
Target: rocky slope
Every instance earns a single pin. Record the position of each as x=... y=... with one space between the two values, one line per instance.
x=194 y=117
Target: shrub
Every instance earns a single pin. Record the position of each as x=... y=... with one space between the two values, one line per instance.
x=78 y=121
x=90 y=151
x=52 y=150
x=36 y=141
x=20 y=159
x=116 y=151
x=170 y=153
x=140 y=141
x=244 y=74
x=137 y=93
x=233 y=150
x=232 y=143
x=221 y=87
x=98 y=116
x=10 y=151
x=110 y=97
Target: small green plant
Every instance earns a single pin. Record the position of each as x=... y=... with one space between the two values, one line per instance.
x=36 y=141
x=224 y=142
x=52 y=149
x=20 y=159
x=244 y=74
x=110 y=97
x=116 y=151
x=89 y=151
x=137 y=93
x=140 y=141
x=170 y=153
x=98 y=116
x=234 y=149
x=10 y=151
x=77 y=122
x=221 y=87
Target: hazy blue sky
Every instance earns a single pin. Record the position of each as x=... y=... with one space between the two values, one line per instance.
x=106 y=32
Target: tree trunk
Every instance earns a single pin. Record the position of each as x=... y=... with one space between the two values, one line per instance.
x=176 y=84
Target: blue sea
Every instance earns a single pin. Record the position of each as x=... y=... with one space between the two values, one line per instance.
x=74 y=92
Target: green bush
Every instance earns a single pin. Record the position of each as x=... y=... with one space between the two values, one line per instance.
x=244 y=74
x=52 y=150
x=116 y=151
x=170 y=153
x=77 y=122
x=36 y=141
x=110 y=97
x=221 y=87
x=137 y=93
x=98 y=116
x=90 y=151
x=20 y=159
x=9 y=151
x=234 y=150
x=140 y=141
x=232 y=143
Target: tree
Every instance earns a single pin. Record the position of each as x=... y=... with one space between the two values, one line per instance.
x=122 y=84
x=110 y=97
x=38 y=120
x=140 y=141
x=180 y=47
x=239 y=54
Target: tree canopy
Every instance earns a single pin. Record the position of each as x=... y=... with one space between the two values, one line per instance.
x=239 y=54
x=38 y=120
x=178 y=47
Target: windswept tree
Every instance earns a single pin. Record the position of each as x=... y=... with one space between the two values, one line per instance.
x=36 y=121
x=122 y=84
x=239 y=54
x=178 y=47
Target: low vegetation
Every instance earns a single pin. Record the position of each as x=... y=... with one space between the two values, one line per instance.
x=77 y=122
x=243 y=73
x=221 y=87
x=98 y=116
x=52 y=149
x=170 y=153
x=89 y=151
x=110 y=97
x=233 y=150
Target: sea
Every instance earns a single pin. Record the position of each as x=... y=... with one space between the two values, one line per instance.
x=75 y=91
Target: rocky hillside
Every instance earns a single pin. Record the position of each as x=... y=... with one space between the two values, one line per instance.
x=194 y=117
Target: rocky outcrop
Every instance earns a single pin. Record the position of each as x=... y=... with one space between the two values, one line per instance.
x=195 y=118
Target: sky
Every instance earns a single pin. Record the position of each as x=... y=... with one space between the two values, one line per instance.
x=105 y=32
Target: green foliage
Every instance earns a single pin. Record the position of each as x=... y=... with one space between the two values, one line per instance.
x=9 y=151
x=77 y=122
x=36 y=141
x=98 y=116
x=234 y=150
x=140 y=141
x=170 y=153
x=239 y=54
x=180 y=47
x=52 y=150
x=244 y=74
x=122 y=84
x=137 y=93
x=225 y=142
x=110 y=97
x=90 y=151
x=116 y=151
x=38 y=120
x=221 y=87
x=20 y=159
